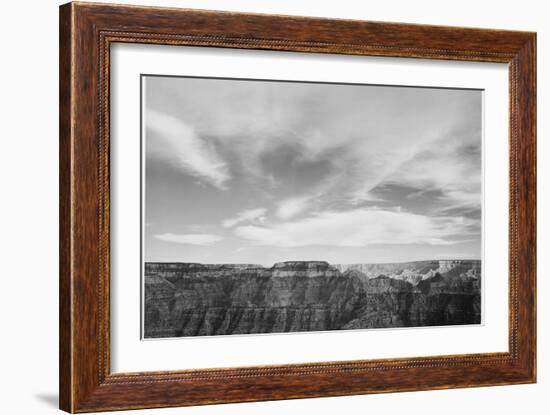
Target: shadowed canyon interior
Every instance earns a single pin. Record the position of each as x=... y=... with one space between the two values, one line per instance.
x=192 y=299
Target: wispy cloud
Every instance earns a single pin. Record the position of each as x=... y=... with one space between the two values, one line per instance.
x=447 y=166
x=359 y=227
x=202 y=239
x=184 y=147
x=256 y=216
x=316 y=158
x=380 y=137
x=291 y=207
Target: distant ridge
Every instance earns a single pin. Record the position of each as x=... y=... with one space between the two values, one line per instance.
x=416 y=271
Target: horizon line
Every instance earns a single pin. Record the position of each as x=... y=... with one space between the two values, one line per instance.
x=330 y=263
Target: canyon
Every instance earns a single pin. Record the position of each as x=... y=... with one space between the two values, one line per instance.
x=192 y=299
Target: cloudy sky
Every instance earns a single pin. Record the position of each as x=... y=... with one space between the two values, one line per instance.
x=241 y=171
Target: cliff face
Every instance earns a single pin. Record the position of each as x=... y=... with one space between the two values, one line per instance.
x=194 y=299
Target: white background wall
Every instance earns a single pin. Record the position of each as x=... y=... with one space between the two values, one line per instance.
x=28 y=210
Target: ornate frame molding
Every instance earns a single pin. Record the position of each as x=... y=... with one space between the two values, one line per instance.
x=86 y=33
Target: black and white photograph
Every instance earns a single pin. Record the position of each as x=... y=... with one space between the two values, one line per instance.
x=273 y=206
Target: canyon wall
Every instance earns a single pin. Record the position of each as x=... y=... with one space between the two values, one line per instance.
x=189 y=299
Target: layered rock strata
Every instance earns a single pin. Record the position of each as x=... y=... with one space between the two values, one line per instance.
x=189 y=299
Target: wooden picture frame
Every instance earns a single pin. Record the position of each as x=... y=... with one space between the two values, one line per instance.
x=86 y=33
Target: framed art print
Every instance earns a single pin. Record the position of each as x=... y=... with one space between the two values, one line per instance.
x=261 y=207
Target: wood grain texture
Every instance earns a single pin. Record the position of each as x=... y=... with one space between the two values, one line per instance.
x=86 y=33
x=65 y=246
